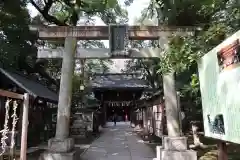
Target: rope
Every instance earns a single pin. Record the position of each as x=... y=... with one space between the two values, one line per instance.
x=15 y=119
x=5 y=130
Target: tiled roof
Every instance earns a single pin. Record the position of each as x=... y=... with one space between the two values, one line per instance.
x=118 y=81
x=32 y=87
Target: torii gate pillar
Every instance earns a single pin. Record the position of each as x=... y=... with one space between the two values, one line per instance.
x=174 y=144
x=61 y=146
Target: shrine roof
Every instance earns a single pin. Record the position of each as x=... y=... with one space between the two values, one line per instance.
x=118 y=81
x=33 y=87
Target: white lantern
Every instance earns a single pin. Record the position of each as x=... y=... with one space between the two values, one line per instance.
x=82 y=87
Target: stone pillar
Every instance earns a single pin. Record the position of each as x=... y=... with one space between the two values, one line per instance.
x=61 y=146
x=151 y=119
x=174 y=145
x=104 y=115
x=145 y=119
x=180 y=113
x=154 y=110
x=142 y=114
x=158 y=121
x=172 y=109
x=132 y=118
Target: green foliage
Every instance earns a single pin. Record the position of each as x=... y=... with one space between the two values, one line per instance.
x=147 y=68
x=185 y=51
x=217 y=19
x=16 y=42
x=65 y=12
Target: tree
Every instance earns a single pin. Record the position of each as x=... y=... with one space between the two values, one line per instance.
x=17 y=42
x=65 y=12
x=148 y=68
x=217 y=19
x=18 y=48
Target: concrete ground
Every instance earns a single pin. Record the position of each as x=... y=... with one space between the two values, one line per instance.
x=118 y=143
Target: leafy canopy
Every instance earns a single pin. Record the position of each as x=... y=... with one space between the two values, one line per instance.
x=17 y=42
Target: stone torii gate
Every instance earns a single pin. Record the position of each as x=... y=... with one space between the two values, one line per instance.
x=61 y=146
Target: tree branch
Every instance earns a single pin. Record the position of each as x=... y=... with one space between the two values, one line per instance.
x=47 y=6
x=45 y=13
x=149 y=73
x=45 y=1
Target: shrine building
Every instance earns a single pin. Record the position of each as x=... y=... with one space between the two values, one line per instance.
x=118 y=93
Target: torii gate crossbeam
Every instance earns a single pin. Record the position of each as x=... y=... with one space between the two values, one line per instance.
x=102 y=32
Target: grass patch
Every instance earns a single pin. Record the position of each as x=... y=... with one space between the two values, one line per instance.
x=210 y=153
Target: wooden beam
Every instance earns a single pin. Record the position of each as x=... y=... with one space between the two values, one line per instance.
x=25 y=122
x=81 y=53
x=100 y=53
x=102 y=32
x=9 y=94
x=113 y=74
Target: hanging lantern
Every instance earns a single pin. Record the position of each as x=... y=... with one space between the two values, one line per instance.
x=82 y=87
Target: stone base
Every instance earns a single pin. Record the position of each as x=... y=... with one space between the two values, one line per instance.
x=60 y=146
x=178 y=155
x=175 y=143
x=163 y=154
x=159 y=151
x=132 y=125
x=175 y=148
x=58 y=156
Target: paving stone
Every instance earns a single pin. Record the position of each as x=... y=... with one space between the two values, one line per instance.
x=119 y=158
x=118 y=143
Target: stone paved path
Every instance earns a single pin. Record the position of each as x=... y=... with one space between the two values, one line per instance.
x=118 y=143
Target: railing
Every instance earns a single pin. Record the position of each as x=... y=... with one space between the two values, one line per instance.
x=11 y=153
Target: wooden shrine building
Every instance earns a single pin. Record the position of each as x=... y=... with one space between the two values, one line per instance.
x=118 y=93
x=41 y=108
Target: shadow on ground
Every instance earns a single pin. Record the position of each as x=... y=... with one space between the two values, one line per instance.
x=81 y=144
x=209 y=153
x=152 y=141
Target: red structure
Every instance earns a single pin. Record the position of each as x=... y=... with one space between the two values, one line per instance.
x=229 y=55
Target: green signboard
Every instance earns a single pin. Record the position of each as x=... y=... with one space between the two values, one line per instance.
x=219 y=74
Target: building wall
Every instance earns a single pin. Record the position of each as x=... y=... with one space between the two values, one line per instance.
x=153 y=117
x=158 y=119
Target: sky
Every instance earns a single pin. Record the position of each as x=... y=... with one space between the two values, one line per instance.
x=134 y=11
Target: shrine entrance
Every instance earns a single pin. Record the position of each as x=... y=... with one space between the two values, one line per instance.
x=122 y=111
x=119 y=37
x=118 y=94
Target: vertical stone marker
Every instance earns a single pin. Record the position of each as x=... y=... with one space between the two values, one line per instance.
x=172 y=109
x=65 y=94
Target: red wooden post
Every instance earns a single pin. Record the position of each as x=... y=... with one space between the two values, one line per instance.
x=222 y=151
x=23 y=152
